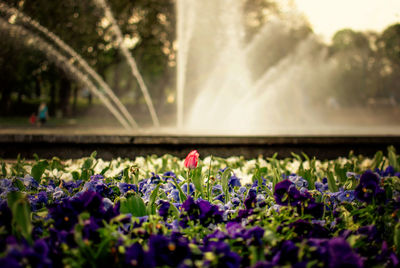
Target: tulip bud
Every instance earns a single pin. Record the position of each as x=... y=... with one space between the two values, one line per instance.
x=192 y=159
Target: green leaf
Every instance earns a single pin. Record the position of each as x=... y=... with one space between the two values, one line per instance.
x=397 y=237
x=3 y=169
x=18 y=183
x=276 y=177
x=393 y=158
x=224 y=182
x=340 y=173
x=306 y=157
x=197 y=179
x=75 y=175
x=88 y=163
x=125 y=175
x=332 y=183
x=36 y=157
x=296 y=156
x=174 y=211
x=38 y=170
x=84 y=175
x=93 y=155
x=182 y=195
x=151 y=206
x=56 y=164
x=378 y=158
x=133 y=204
x=104 y=170
x=20 y=209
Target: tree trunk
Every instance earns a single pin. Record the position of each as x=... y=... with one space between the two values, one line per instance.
x=5 y=99
x=53 y=90
x=75 y=100
x=90 y=98
x=19 y=98
x=65 y=94
x=38 y=90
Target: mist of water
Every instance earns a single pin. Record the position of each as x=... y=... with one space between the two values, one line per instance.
x=227 y=83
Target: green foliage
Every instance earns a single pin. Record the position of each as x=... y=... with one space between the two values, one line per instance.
x=133 y=204
x=151 y=207
x=38 y=170
x=182 y=195
x=224 y=182
x=332 y=182
x=111 y=239
x=378 y=159
x=18 y=183
x=18 y=168
x=393 y=159
x=390 y=42
x=397 y=238
x=87 y=167
x=197 y=178
x=3 y=169
x=21 y=215
x=55 y=163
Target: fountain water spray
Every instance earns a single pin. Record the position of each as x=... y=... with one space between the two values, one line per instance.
x=245 y=86
x=62 y=62
x=184 y=26
x=26 y=19
x=131 y=61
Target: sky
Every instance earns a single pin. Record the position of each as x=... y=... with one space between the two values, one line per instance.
x=328 y=16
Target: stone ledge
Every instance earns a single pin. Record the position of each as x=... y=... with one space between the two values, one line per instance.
x=112 y=146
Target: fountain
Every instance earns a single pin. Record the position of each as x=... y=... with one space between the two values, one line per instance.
x=225 y=83
x=229 y=84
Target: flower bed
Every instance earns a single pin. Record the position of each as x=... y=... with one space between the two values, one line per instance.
x=210 y=212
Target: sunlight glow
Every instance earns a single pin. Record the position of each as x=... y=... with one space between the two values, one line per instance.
x=327 y=17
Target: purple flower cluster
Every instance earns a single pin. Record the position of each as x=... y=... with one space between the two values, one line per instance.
x=286 y=194
x=369 y=187
x=200 y=211
x=89 y=223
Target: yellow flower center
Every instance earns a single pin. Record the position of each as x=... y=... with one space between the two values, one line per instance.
x=171 y=246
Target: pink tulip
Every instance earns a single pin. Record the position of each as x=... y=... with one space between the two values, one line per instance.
x=192 y=159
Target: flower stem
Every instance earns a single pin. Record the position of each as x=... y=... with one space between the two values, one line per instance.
x=188 y=182
x=208 y=181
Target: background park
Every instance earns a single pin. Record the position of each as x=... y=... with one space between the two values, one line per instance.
x=360 y=87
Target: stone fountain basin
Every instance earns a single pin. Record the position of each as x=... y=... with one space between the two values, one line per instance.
x=111 y=145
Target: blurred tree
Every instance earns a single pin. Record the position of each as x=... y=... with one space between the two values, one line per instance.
x=356 y=60
x=389 y=42
x=18 y=74
x=257 y=13
x=389 y=46
x=149 y=29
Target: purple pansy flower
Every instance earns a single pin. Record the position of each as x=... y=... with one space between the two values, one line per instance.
x=368 y=188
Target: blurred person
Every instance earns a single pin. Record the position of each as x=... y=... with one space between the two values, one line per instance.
x=42 y=113
x=32 y=119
